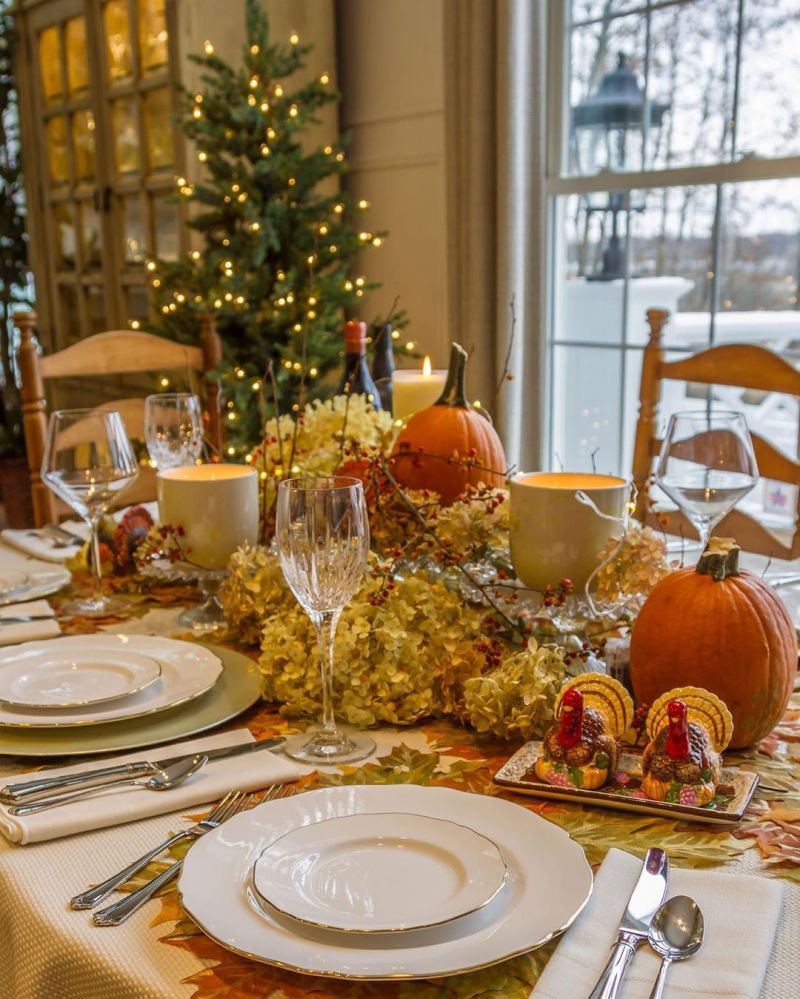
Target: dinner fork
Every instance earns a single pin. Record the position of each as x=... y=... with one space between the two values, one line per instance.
x=228 y=807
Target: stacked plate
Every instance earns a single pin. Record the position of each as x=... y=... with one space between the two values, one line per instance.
x=27 y=579
x=104 y=692
x=385 y=882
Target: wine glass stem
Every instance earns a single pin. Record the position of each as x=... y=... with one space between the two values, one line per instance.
x=97 y=568
x=326 y=632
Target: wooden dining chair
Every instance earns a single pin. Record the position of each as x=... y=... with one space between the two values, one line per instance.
x=118 y=352
x=746 y=366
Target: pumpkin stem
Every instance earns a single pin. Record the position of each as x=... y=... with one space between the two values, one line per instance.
x=454 y=393
x=720 y=559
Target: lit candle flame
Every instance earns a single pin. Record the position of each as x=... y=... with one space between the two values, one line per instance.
x=426 y=367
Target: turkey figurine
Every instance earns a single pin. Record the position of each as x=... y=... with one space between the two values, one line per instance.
x=580 y=748
x=688 y=728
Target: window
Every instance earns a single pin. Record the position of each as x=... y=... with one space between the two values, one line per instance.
x=673 y=182
x=98 y=93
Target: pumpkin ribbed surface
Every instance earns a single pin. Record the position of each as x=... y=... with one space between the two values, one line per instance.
x=732 y=636
x=429 y=450
x=448 y=432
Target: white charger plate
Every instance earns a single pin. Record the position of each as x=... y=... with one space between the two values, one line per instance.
x=77 y=678
x=549 y=881
x=187 y=671
x=362 y=873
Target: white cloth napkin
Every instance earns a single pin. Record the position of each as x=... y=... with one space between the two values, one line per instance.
x=248 y=772
x=42 y=546
x=28 y=631
x=740 y=912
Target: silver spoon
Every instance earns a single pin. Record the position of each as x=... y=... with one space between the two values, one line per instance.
x=675 y=933
x=163 y=780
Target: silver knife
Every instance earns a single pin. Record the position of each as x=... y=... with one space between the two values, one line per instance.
x=646 y=898
x=13 y=794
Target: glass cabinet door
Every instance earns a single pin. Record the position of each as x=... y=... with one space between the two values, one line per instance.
x=102 y=100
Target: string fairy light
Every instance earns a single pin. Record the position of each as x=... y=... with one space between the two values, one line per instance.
x=208 y=48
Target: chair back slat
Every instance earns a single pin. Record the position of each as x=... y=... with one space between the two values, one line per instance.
x=749 y=533
x=116 y=352
x=747 y=366
x=121 y=352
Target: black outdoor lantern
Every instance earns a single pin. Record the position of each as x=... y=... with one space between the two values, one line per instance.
x=606 y=117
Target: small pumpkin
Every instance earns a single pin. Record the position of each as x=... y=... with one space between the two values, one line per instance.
x=722 y=628
x=449 y=429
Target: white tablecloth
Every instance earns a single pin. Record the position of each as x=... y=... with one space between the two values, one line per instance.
x=47 y=951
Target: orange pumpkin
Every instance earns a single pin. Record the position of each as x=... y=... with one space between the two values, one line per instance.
x=430 y=450
x=722 y=628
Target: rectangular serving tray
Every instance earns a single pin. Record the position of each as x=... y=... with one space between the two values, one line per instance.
x=619 y=794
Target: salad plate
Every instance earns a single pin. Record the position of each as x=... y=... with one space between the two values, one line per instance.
x=362 y=873
x=187 y=671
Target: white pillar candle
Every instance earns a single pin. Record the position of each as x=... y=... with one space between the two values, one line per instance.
x=415 y=390
x=217 y=505
x=554 y=534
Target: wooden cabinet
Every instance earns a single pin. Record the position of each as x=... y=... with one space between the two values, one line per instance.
x=101 y=152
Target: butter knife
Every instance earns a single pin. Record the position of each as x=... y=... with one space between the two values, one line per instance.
x=41 y=787
x=646 y=898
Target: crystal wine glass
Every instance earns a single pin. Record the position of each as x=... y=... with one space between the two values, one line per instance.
x=322 y=535
x=173 y=429
x=88 y=460
x=706 y=465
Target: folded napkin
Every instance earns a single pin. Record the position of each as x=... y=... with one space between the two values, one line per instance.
x=40 y=545
x=740 y=912
x=28 y=631
x=249 y=772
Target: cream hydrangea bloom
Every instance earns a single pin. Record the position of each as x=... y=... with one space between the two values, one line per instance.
x=390 y=657
x=517 y=698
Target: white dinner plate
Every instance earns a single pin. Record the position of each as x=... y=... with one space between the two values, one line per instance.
x=74 y=678
x=187 y=670
x=11 y=580
x=23 y=578
x=362 y=873
x=547 y=885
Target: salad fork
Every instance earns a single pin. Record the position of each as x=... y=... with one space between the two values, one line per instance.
x=233 y=802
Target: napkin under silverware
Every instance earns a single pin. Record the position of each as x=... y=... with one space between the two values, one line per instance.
x=740 y=912
x=28 y=631
x=117 y=805
x=41 y=545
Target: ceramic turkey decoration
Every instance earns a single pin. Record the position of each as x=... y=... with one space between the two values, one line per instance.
x=688 y=728
x=580 y=748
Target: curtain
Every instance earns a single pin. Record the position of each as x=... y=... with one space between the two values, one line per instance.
x=496 y=212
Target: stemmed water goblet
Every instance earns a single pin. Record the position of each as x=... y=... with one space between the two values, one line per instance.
x=173 y=429
x=322 y=536
x=706 y=465
x=88 y=460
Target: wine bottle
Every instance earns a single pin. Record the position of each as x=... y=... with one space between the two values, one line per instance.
x=383 y=363
x=356 y=378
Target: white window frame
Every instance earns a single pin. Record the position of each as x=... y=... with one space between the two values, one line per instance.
x=558 y=183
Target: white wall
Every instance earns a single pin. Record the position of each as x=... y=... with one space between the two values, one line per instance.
x=390 y=71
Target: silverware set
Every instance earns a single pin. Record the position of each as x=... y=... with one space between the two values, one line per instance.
x=674 y=929
x=115 y=914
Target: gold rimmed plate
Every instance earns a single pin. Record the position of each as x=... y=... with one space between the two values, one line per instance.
x=238 y=688
x=79 y=678
x=187 y=670
x=361 y=873
x=548 y=883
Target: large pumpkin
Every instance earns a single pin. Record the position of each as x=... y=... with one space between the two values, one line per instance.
x=429 y=452
x=722 y=628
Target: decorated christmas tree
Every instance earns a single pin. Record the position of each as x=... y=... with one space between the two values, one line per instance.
x=278 y=260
